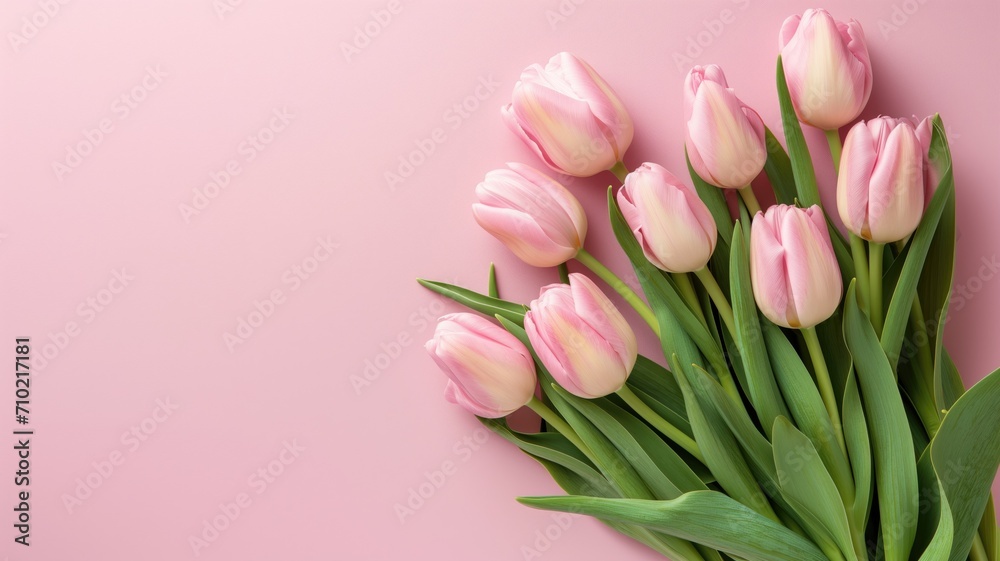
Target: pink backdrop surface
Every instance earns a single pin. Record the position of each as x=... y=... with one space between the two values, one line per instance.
x=198 y=235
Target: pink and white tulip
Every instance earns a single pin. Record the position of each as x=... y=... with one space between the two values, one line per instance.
x=671 y=223
x=532 y=214
x=880 y=188
x=827 y=68
x=490 y=373
x=724 y=137
x=581 y=338
x=794 y=272
x=569 y=116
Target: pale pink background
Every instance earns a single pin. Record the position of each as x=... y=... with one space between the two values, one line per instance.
x=323 y=176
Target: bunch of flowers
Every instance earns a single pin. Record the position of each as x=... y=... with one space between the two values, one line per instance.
x=804 y=407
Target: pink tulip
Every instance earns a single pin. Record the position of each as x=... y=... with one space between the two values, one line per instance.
x=672 y=224
x=581 y=338
x=569 y=116
x=532 y=214
x=880 y=188
x=827 y=68
x=795 y=275
x=490 y=372
x=724 y=137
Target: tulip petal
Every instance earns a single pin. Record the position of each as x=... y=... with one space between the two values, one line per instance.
x=856 y=165
x=575 y=140
x=769 y=272
x=589 y=86
x=728 y=143
x=597 y=311
x=523 y=236
x=896 y=192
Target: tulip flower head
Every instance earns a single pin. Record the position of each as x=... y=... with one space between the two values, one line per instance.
x=880 y=188
x=827 y=68
x=794 y=272
x=724 y=137
x=569 y=116
x=490 y=373
x=581 y=338
x=671 y=223
x=532 y=214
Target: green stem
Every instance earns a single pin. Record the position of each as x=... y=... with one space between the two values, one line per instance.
x=554 y=420
x=686 y=288
x=619 y=170
x=860 y=255
x=563 y=273
x=753 y=207
x=718 y=297
x=598 y=268
x=670 y=431
x=833 y=139
x=824 y=383
x=875 y=251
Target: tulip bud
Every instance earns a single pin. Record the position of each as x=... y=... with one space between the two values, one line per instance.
x=672 y=224
x=724 y=137
x=795 y=275
x=827 y=68
x=581 y=338
x=569 y=116
x=490 y=372
x=880 y=188
x=532 y=214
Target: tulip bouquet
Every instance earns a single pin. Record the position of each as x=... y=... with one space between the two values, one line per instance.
x=804 y=407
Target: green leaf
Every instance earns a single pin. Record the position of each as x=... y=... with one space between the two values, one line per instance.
x=806 y=404
x=663 y=471
x=779 y=170
x=940 y=545
x=798 y=150
x=898 y=313
x=860 y=449
x=574 y=484
x=936 y=527
x=478 y=302
x=966 y=454
x=895 y=464
x=807 y=486
x=763 y=390
x=705 y=517
x=494 y=292
x=988 y=531
x=552 y=447
x=719 y=446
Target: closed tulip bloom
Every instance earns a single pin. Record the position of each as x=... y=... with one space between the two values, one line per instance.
x=724 y=137
x=569 y=116
x=581 y=338
x=672 y=224
x=880 y=188
x=827 y=68
x=795 y=275
x=532 y=214
x=490 y=373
